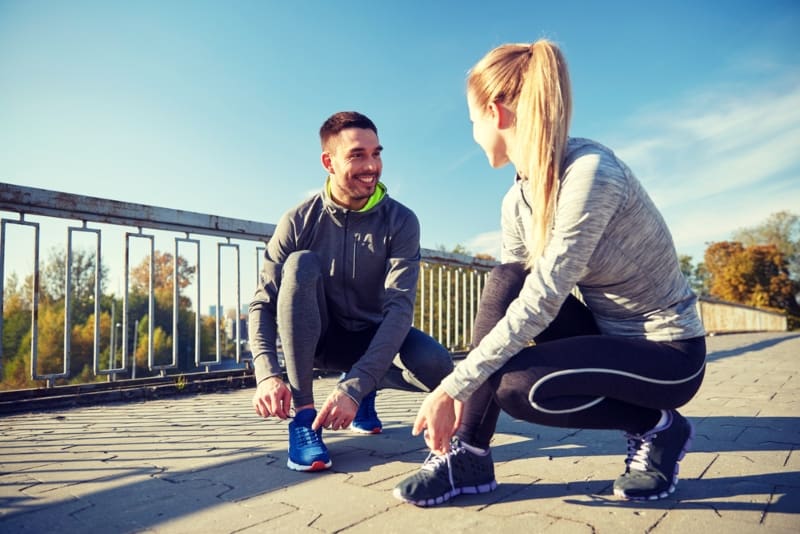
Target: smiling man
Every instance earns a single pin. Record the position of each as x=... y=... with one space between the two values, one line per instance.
x=338 y=285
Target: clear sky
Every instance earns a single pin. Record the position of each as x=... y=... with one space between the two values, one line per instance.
x=215 y=107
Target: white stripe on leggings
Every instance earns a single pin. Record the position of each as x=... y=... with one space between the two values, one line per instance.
x=599 y=399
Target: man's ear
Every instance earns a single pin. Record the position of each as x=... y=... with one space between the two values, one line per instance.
x=326 y=162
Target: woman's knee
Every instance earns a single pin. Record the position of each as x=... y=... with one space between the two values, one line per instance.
x=511 y=392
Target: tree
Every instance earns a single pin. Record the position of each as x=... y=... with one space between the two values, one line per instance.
x=755 y=275
x=697 y=276
x=163 y=275
x=16 y=317
x=82 y=281
x=781 y=229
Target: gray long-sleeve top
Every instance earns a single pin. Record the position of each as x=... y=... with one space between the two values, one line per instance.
x=370 y=265
x=610 y=242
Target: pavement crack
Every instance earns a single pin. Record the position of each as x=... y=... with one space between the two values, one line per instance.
x=568 y=520
x=228 y=489
x=310 y=524
x=659 y=520
x=765 y=511
x=74 y=514
x=703 y=473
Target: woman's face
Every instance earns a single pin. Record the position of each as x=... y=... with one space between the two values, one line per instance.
x=486 y=132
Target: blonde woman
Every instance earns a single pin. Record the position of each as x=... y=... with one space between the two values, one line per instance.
x=589 y=273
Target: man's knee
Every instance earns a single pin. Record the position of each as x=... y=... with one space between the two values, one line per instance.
x=426 y=358
x=301 y=268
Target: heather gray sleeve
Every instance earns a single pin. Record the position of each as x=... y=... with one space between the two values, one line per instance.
x=261 y=319
x=590 y=194
x=513 y=226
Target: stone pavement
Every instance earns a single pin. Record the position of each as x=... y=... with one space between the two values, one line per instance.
x=207 y=464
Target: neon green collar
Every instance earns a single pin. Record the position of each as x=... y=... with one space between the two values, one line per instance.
x=376 y=197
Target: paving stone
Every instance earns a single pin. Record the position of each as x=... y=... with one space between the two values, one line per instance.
x=207 y=463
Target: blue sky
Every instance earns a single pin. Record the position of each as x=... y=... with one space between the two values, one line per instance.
x=215 y=106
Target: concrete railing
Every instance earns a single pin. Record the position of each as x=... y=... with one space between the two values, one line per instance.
x=720 y=317
x=60 y=321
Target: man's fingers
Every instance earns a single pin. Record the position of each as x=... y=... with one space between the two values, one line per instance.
x=282 y=404
x=260 y=407
x=322 y=416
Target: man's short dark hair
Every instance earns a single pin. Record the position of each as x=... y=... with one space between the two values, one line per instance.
x=342 y=121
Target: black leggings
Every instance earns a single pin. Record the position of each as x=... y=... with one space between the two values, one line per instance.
x=574 y=376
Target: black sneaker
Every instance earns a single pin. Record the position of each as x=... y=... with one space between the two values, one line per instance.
x=443 y=477
x=652 y=464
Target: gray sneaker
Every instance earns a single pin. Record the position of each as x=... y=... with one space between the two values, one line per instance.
x=443 y=477
x=652 y=463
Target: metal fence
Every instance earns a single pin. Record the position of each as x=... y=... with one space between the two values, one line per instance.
x=62 y=323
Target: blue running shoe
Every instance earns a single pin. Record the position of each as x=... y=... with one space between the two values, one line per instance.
x=366 y=420
x=307 y=452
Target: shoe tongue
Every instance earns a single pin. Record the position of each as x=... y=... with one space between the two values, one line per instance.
x=305 y=417
x=433 y=462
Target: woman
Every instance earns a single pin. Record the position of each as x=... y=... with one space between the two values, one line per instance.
x=589 y=273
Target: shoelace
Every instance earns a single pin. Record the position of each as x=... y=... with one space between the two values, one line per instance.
x=306 y=436
x=638 y=457
x=434 y=461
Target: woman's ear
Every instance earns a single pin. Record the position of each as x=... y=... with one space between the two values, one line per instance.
x=502 y=116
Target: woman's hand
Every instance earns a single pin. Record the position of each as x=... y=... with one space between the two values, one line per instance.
x=439 y=416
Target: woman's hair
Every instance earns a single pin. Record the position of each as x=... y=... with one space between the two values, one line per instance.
x=532 y=81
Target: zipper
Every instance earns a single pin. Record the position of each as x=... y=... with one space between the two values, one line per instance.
x=344 y=261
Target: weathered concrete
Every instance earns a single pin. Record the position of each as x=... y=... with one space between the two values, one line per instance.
x=206 y=463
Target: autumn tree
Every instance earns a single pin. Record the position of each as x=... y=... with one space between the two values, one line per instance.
x=755 y=275
x=16 y=316
x=163 y=287
x=82 y=281
x=781 y=229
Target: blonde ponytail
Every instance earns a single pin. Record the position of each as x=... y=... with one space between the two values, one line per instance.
x=533 y=81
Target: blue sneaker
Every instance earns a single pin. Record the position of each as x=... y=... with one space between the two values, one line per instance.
x=307 y=452
x=366 y=420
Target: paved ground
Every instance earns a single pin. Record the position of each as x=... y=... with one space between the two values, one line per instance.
x=206 y=463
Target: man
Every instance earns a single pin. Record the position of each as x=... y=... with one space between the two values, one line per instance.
x=338 y=285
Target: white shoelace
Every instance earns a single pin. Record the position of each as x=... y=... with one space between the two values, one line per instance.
x=639 y=451
x=433 y=461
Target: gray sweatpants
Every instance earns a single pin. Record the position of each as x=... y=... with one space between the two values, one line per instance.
x=312 y=338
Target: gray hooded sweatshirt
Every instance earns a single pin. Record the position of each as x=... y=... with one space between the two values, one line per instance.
x=370 y=261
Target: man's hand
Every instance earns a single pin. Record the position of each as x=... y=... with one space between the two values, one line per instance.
x=272 y=398
x=337 y=413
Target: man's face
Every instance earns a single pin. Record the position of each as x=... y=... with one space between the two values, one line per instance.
x=353 y=159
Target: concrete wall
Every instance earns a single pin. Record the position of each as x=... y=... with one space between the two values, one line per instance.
x=721 y=317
